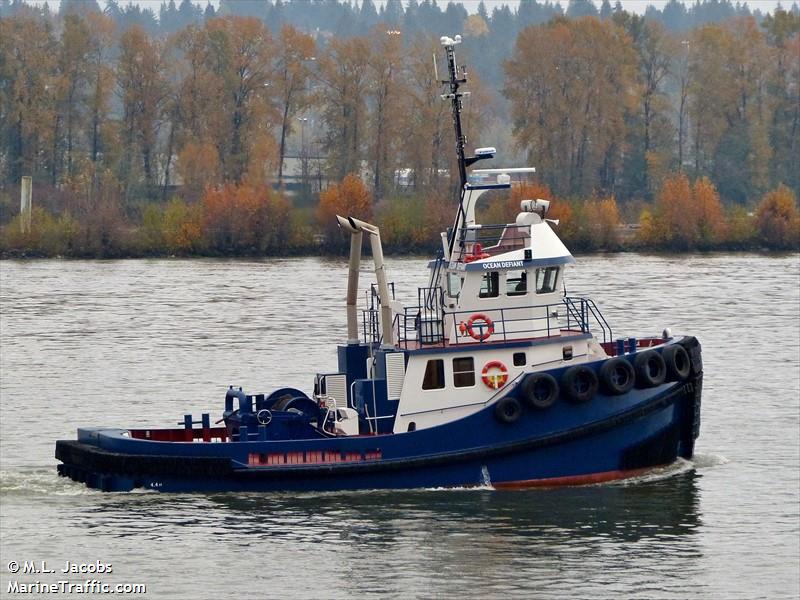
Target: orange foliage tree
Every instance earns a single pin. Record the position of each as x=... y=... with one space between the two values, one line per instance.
x=601 y=217
x=198 y=165
x=245 y=219
x=684 y=216
x=778 y=220
x=709 y=214
x=350 y=198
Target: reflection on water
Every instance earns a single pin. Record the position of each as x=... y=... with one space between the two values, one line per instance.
x=139 y=343
x=662 y=508
x=481 y=541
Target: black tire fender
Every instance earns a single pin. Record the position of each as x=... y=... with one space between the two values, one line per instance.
x=617 y=376
x=651 y=370
x=508 y=410
x=679 y=365
x=579 y=384
x=540 y=390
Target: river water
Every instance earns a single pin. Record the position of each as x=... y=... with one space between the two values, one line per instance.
x=141 y=342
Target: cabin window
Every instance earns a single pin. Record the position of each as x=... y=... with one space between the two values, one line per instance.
x=546 y=279
x=434 y=375
x=490 y=285
x=519 y=359
x=516 y=283
x=453 y=285
x=464 y=372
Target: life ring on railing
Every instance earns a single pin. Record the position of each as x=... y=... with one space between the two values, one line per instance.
x=482 y=334
x=496 y=379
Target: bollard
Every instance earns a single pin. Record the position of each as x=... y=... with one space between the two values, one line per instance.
x=620 y=347
x=206 y=418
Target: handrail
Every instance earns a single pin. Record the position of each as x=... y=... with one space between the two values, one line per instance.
x=509 y=323
x=601 y=320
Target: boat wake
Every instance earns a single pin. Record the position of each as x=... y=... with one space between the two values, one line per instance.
x=39 y=482
x=705 y=461
x=679 y=467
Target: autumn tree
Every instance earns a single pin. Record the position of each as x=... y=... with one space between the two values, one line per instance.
x=143 y=89
x=245 y=219
x=295 y=53
x=685 y=216
x=426 y=144
x=728 y=109
x=569 y=83
x=386 y=87
x=70 y=86
x=672 y=221
x=241 y=50
x=343 y=75
x=778 y=219
x=651 y=131
x=782 y=31
x=602 y=221
x=709 y=214
x=424 y=141
x=349 y=198
x=99 y=78
x=27 y=68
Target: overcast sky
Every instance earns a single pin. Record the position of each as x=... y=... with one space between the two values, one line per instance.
x=637 y=6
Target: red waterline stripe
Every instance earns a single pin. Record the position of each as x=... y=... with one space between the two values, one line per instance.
x=572 y=479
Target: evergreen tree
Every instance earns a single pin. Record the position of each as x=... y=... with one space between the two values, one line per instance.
x=368 y=16
x=78 y=7
x=581 y=8
x=393 y=13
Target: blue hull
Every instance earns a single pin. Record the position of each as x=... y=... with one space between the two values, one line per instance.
x=606 y=438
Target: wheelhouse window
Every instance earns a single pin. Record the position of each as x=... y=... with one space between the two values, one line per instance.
x=453 y=285
x=434 y=375
x=546 y=279
x=464 y=372
x=516 y=283
x=490 y=285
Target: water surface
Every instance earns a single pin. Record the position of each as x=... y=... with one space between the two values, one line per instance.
x=141 y=342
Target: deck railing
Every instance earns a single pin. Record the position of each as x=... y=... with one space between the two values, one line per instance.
x=418 y=326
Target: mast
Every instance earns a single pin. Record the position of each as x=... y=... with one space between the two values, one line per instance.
x=455 y=95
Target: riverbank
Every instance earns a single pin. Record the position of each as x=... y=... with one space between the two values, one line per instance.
x=256 y=221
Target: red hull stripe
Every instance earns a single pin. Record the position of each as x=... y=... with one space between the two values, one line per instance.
x=571 y=479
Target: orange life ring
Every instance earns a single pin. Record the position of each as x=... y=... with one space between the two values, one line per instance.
x=494 y=380
x=482 y=334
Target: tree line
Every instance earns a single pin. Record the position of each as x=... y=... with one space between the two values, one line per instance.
x=117 y=127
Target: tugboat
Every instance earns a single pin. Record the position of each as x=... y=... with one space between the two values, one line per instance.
x=495 y=377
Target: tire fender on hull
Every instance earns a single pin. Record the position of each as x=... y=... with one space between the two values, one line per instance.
x=579 y=384
x=617 y=376
x=540 y=390
x=679 y=365
x=651 y=370
x=508 y=410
